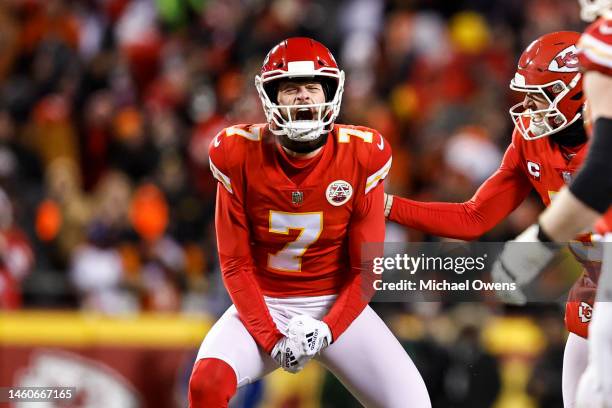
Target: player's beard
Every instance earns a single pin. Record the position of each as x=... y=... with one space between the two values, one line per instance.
x=302 y=147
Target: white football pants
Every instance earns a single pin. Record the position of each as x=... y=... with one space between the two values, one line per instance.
x=367 y=358
x=575 y=359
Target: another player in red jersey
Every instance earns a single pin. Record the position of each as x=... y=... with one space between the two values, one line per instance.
x=548 y=146
x=591 y=195
x=296 y=200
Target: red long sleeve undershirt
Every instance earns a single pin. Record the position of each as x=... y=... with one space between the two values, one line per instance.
x=497 y=197
x=238 y=268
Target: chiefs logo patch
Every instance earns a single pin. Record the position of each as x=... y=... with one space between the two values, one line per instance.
x=338 y=192
x=585 y=312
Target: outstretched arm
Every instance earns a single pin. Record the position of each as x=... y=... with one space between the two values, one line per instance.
x=495 y=199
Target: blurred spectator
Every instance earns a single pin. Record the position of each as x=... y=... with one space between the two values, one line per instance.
x=472 y=378
x=132 y=150
x=16 y=256
x=545 y=383
x=19 y=166
x=96 y=273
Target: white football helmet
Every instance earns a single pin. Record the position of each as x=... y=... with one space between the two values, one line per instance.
x=591 y=9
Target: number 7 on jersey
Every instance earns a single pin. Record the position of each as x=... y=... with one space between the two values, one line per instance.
x=310 y=226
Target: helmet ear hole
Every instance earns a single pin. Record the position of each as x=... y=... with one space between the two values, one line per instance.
x=577 y=97
x=330 y=86
x=271 y=90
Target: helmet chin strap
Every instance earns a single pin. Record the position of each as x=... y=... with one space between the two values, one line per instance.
x=302 y=147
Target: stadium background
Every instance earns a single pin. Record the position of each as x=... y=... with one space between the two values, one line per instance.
x=109 y=277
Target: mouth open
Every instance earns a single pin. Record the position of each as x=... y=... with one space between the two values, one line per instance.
x=304 y=114
x=536 y=117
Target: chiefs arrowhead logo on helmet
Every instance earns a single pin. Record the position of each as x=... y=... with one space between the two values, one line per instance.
x=565 y=61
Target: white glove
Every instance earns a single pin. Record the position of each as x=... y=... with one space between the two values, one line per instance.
x=595 y=386
x=388 y=204
x=311 y=334
x=521 y=264
x=289 y=355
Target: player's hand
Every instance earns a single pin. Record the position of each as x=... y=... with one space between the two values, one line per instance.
x=595 y=386
x=311 y=334
x=289 y=355
x=388 y=204
x=521 y=264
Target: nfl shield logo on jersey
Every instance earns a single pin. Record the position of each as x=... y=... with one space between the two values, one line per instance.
x=339 y=192
x=297 y=198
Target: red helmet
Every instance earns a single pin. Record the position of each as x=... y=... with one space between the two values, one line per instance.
x=300 y=57
x=549 y=67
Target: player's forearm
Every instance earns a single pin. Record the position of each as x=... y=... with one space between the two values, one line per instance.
x=566 y=217
x=497 y=197
x=452 y=220
x=593 y=183
x=244 y=291
x=592 y=186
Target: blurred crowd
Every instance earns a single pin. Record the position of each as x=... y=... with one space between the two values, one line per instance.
x=107 y=108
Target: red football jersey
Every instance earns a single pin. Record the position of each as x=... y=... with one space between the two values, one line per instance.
x=303 y=222
x=547 y=165
x=595 y=54
x=595 y=47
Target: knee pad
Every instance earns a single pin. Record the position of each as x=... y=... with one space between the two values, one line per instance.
x=212 y=384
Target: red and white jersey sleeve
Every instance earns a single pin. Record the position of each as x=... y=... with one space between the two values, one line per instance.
x=595 y=47
x=234 y=237
x=379 y=161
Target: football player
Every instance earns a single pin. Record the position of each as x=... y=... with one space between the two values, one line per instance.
x=590 y=195
x=549 y=144
x=297 y=199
